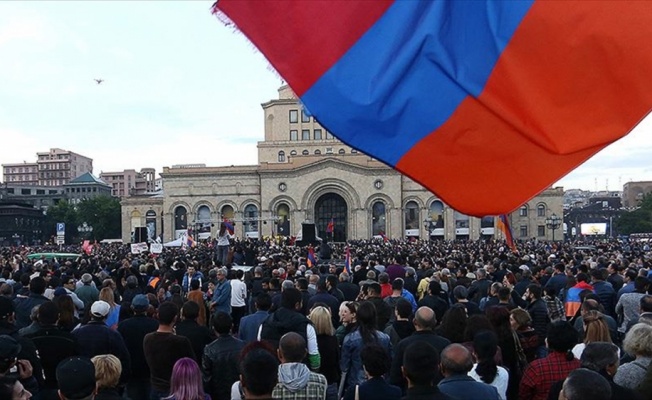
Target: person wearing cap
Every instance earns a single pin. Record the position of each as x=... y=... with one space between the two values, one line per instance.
x=222 y=294
x=87 y=292
x=96 y=338
x=133 y=331
x=12 y=365
x=53 y=344
x=76 y=377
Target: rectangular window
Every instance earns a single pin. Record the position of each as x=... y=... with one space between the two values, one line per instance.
x=318 y=134
x=304 y=117
x=522 y=212
x=294 y=134
x=523 y=231
x=40 y=191
x=25 y=191
x=294 y=116
x=305 y=134
x=541 y=230
x=329 y=136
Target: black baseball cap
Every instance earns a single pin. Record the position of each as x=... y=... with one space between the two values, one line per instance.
x=9 y=347
x=76 y=377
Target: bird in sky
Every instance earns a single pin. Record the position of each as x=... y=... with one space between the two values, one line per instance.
x=99 y=81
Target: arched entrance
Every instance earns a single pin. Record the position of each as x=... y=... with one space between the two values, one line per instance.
x=331 y=207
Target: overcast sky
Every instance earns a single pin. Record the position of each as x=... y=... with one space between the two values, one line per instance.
x=179 y=88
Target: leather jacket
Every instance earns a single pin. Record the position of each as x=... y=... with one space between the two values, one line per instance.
x=220 y=366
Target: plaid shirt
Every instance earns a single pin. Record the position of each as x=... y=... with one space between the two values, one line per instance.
x=314 y=390
x=556 y=311
x=540 y=375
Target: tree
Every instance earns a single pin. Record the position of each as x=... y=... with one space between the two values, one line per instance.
x=103 y=213
x=64 y=212
x=639 y=220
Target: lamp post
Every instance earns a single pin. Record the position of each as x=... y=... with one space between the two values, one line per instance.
x=84 y=229
x=553 y=222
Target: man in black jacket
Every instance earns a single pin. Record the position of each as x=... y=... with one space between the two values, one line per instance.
x=434 y=300
x=480 y=287
x=133 y=331
x=199 y=336
x=383 y=310
x=538 y=311
x=27 y=349
x=220 y=359
x=424 y=323
x=53 y=344
x=288 y=318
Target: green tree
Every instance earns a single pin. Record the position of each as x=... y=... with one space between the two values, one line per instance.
x=61 y=212
x=103 y=213
x=637 y=221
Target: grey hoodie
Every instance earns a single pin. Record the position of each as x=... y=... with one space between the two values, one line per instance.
x=294 y=376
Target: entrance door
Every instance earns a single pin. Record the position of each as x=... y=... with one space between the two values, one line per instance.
x=331 y=207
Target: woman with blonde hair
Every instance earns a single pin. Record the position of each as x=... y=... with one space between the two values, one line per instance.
x=106 y=294
x=329 y=349
x=348 y=311
x=595 y=330
x=107 y=375
x=637 y=343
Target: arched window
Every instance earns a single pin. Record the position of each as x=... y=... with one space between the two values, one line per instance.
x=461 y=220
x=437 y=214
x=318 y=152
x=281 y=156
x=305 y=152
x=180 y=218
x=378 y=218
x=150 y=223
x=541 y=210
x=522 y=212
x=251 y=219
x=411 y=215
x=283 y=223
x=293 y=153
x=203 y=222
x=341 y=151
x=227 y=213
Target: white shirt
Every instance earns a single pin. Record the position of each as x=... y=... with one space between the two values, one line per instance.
x=223 y=240
x=500 y=381
x=238 y=293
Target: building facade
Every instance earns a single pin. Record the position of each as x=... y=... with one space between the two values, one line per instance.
x=86 y=186
x=20 y=223
x=52 y=168
x=305 y=175
x=22 y=173
x=633 y=193
x=40 y=197
x=129 y=182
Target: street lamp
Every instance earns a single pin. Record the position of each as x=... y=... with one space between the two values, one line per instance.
x=553 y=222
x=84 y=229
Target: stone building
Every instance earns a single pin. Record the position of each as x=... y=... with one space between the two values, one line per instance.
x=633 y=193
x=86 y=186
x=304 y=174
x=130 y=182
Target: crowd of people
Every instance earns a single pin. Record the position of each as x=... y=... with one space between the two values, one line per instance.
x=397 y=319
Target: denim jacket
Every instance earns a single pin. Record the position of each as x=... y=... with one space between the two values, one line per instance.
x=351 y=362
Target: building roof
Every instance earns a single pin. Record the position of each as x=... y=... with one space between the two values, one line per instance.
x=87 y=178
